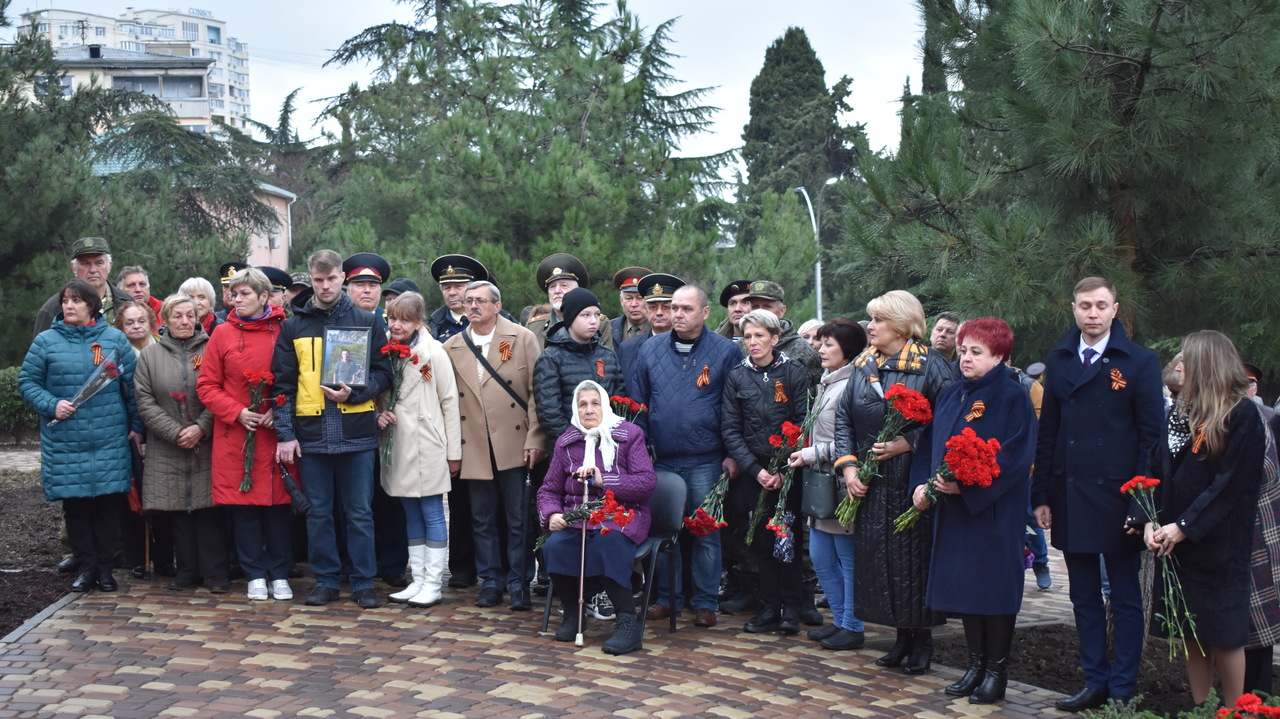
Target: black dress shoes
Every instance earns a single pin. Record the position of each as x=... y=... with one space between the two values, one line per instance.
x=106 y=582
x=67 y=566
x=844 y=640
x=818 y=635
x=1084 y=699
x=489 y=597
x=85 y=581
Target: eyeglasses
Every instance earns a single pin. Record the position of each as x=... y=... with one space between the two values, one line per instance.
x=476 y=301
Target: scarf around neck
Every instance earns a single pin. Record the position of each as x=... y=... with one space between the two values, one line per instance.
x=600 y=435
x=910 y=358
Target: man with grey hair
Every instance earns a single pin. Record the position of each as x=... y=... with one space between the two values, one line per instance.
x=91 y=262
x=680 y=375
x=133 y=280
x=493 y=360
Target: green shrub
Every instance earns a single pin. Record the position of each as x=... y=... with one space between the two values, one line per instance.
x=15 y=415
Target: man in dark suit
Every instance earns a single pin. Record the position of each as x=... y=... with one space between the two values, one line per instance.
x=1102 y=413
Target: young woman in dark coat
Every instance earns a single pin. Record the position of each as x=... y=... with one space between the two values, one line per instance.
x=891 y=569
x=978 y=532
x=766 y=389
x=1210 y=464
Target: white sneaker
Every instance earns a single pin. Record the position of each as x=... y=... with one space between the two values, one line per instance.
x=280 y=590
x=601 y=607
x=257 y=589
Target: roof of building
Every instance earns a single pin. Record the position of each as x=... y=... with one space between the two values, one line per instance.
x=78 y=56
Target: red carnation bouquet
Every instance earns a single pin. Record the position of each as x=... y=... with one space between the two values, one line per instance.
x=708 y=518
x=596 y=512
x=790 y=439
x=627 y=408
x=1177 y=620
x=1250 y=706
x=969 y=460
x=401 y=356
x=907 y=408
x=258 y=384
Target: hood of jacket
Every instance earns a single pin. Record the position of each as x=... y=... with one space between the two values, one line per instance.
x=302 y=304
x=260 y=324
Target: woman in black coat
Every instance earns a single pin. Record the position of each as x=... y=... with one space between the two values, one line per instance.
x=766 y=389
x=979 y=532
x=1211 y=467
x=891 y=570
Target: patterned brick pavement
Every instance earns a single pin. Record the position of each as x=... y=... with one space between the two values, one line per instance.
x=150 y=652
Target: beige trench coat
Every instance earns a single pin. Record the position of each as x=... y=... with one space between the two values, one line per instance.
x=427 y=432
x=490 y=418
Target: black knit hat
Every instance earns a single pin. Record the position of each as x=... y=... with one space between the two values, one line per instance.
x=575 y=301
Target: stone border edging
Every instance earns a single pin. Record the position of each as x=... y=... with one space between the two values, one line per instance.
x=40 y=616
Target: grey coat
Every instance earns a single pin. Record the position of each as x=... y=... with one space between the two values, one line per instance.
x=174 y=479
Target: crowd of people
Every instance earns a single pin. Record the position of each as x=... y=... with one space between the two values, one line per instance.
x=336 y=388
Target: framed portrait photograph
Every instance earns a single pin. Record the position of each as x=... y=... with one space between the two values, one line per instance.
x=346 y=357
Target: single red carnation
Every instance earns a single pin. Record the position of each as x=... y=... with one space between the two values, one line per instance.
x=775 y=440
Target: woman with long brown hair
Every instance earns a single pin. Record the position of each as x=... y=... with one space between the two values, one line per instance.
x=1211 y=466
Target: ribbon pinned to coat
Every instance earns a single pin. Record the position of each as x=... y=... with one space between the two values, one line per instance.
x=779 y=394
x=977 y=411
x=97 y=354
x=704 y=377
x=426 y=371
x=504 y=351
x=600 y=368
x=1118 y=381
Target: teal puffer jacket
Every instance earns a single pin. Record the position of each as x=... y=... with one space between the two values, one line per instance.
x=87 y=454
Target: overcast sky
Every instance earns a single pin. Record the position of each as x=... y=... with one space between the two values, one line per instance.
x=722 y=43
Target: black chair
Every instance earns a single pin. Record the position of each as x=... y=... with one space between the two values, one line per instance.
x=666 y=512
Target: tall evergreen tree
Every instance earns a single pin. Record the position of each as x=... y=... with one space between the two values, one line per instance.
x=1132 y=139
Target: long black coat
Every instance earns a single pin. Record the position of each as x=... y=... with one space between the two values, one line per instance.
x=978 y=535
x=1214 y=503
x=1097 y=429
x=891 y=570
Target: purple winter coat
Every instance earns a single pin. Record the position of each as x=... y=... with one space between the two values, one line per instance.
x=632 y=478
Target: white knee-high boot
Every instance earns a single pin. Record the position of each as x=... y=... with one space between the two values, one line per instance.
x=417 y=566
x=432 y=578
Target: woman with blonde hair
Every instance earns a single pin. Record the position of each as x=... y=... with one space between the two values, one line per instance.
x=891 y=569
x=1211 y=466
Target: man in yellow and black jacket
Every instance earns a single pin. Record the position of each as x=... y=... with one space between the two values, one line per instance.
x=331 y=432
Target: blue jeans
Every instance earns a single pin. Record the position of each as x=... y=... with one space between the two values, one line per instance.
x=263 y=539
x=424 y=519
x=832 y=556
x=699 y=479
x=1039 y=548
x=346 y=479
x=496 y=508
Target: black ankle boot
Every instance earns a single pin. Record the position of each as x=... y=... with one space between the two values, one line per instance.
x=569 y=628
x=766 y=621
x=921 y=657
x=790 y=623
x=971 y=679
x=975 y=641
x=901 y=648
x=993 y=684
x=626 y=636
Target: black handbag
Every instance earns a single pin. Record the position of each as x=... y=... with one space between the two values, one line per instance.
x=818 y=492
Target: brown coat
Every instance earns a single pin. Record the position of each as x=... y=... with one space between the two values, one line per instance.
x=487 y=411
x=173 y=479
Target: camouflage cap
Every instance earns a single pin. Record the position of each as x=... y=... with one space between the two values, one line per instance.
x=766 y=290
x=90 y=246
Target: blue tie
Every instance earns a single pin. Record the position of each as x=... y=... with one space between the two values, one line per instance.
x=1089 y=353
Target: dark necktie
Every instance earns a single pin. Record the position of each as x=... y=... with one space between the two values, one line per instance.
x=1089 y=353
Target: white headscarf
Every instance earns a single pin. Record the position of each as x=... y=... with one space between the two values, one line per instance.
x=601 y=434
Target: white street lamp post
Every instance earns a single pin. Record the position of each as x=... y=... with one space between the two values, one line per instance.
x=813 y=219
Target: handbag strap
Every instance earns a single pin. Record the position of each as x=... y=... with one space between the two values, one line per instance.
x=466 y=337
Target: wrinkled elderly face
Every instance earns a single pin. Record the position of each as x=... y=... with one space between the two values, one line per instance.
x=133 y=323
x=589 y=408
x=632 y=307
x=93 y=269
x=976 y=359
x=556 y=291
x=659 y=316
x=773 y=306
x=943 y=337
x=482 y=309
x=453 y=293
x=365 y=294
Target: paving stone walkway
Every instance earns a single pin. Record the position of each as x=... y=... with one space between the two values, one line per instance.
x=150 y=652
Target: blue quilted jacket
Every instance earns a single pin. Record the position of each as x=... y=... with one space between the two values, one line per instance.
x=683 y=422
x=87 y=454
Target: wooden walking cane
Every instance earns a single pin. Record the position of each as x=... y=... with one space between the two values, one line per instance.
x=582 y=566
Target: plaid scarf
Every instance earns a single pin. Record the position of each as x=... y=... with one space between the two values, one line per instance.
x=908 y=359
x=1264 y=563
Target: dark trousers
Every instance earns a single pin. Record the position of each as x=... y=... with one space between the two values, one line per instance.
x=263 y=538
x=200 y=543
x=462 y=543
x=497 y=510
x=93 y=528
x=780 y=582
x=1085 y=574
x=1257 y=670
x=390 y=537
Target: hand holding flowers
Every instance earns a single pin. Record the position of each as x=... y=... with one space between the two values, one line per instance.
x=907 y=407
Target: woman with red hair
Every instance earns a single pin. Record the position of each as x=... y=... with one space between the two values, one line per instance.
x=977 y=562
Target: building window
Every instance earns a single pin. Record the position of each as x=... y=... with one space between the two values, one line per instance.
x=100 y=31
x=177 y=87
x=217 y=56
x=215 y=72
x=64 y=30
x=132 y=46
x=217 y=89
x=217 y=104
x=43 y=28
x=149 y=84
x=190 y=31
x=200 y=129
x=215 y=35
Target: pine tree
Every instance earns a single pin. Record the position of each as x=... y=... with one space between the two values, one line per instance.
x=1132 y=139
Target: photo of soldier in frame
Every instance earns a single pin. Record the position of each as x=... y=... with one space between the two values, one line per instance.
x=346 y=357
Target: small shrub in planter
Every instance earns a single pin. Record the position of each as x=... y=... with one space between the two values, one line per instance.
x=16 y=417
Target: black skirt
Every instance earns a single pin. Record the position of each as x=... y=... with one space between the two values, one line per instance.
x=609 y=555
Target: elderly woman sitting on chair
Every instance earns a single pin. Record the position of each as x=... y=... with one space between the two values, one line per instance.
x=600 y=452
